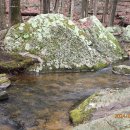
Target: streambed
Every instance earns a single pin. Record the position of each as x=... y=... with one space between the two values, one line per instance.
x=43 y=102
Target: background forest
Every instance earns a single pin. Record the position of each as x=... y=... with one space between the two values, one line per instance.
x=108 y=11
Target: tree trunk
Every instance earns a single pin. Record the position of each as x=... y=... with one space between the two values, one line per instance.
x=2 y=14
x=72 y=9
x=113 y=11
x=56 y=6
x=46 y=6
x=105 y=10
x=14 y=13
x=95 y=7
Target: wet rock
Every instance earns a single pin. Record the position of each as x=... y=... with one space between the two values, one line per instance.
x=121 y=69
x=63 y=46
x=4 y=81
x=14 y=62
x=3 y=95
x=102 y=104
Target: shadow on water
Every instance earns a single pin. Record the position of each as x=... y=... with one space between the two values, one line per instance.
x=42 y=102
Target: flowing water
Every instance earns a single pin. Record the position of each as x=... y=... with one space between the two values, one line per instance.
x=43 y=102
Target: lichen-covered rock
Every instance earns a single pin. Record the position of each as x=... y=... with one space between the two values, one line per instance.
x=121 y=69
x=4 y=81
x=101 y=105
x=115 y=30
x=102 y=40
x=62 y=45
x=126 y=34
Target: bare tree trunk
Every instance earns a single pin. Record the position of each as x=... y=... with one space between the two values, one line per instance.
x=72 y=9
x=83 y=7
x=46 y=6
x=85 y=4
x=60 y=6
x=105 y=10
x=56 y=6
x=2 y=14
x=91 y=5
x=113 y=11
x=86 y=8
x=14 y=13
x=41 y=6
x=95 y=7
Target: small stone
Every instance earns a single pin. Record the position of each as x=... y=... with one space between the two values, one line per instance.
x=3 y=95
x=121 y=69
x=4 y=81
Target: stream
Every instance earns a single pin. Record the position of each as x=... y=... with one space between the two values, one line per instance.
x=43 y=102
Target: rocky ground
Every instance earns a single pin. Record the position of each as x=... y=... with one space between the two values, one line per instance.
x=108 y=109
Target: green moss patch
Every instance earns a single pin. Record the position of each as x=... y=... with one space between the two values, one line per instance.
x=82 y=113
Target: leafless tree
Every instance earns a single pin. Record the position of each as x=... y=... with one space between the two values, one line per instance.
x=14 y=12
x=2 y=14
x=113 y=11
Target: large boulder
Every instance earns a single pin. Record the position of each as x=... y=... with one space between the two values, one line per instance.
x=61 y=45
x=109 y=104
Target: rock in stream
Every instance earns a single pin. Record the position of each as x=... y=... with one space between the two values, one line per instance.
x=62 y=45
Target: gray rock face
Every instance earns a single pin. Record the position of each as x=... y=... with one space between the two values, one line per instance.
x=4 y=81
x=121 y=69
x=111 y=111
x=62 y=46
x=3 y=95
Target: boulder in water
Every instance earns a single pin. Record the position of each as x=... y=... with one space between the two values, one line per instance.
x=62 y=45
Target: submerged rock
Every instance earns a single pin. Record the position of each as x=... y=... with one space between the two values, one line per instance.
x=62 y=45
x=3 y=95
x=4 y=81
x=121 y=69
x=100 y=109
x=14 y=62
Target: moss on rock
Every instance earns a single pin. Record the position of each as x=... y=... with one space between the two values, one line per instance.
x=14 y=62
x=82 y=113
